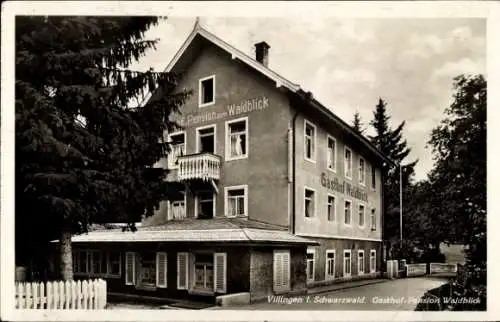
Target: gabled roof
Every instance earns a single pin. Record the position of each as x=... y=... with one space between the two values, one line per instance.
x=198 y=32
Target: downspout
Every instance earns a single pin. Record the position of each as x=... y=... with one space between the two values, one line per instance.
x=294 y=166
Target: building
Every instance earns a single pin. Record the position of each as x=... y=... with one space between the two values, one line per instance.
x=275 y=192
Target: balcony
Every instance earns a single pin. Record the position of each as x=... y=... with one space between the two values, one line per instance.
x=201 y=166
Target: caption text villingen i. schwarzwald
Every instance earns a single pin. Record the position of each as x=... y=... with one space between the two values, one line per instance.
x=276 y=299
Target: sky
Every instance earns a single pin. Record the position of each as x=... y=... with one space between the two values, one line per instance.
x=349 y=63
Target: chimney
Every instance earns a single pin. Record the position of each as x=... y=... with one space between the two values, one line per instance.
x=262 y=53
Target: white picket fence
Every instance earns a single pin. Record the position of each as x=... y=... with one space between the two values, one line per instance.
x=69 y=295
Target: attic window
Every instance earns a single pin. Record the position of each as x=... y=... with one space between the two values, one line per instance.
x=207 y=91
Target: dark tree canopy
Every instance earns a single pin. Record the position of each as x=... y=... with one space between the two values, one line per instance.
x=85 y=153
x=392 y=144
x=357 y=124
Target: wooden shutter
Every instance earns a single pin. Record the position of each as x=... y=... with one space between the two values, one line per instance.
x=129 y=268
x=182 y=271
x=220 y=264
x=161 y=269
x=281 y=271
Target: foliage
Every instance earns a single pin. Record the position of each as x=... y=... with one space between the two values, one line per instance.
x=459 y=174
x=85 y=154
x=357 y=124
x=391 y=143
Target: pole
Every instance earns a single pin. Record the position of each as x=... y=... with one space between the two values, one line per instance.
x=400 y=206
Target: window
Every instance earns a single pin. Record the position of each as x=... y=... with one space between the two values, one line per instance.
x=236 y=201
x=330 y=264
x=310 y=265
x=373 y=261
x=207 y=91
x=178 y=208
x=362 y=171
x=147 y=270
x=177 y=143
x=205 y=205
x=237 y=139
x=348 y=163
x=114 y=263
x=281 y=271
x=347 y=263
x=96 y=262
x=205 y=139
x=373 y=178
x=309 y=203
x=310 y=141
x=331 y=153
x=331 y=208
x=373 y=219
x=361 y=262
x=204 y=272
x=361 y=215
x=347 y=212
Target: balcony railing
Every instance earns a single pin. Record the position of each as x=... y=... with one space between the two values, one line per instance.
x=204 y=166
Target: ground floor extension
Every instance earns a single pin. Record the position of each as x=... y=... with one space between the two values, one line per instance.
x=194 y=264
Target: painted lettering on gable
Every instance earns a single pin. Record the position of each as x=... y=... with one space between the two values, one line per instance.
x=247 y=106
x=343 y=187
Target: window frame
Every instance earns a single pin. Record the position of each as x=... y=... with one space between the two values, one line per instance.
x=373 y=219
x=346 y=148
x=89 y=255
x=198 y=136
x=362 y=183
x=361 y=205
x=329 y=277
x=227 y=151
x=170 y=206
x=314 y=141
x=200 y=95
x=350 y=212
x=328 y=195
x=345 y=274
x=245 y=200
x=373 y=177
x=361 y=272
x=313 y=252
x=328 y=138
x=313 y=201
x=373 y=254
x=169 y=136
x=197 y=203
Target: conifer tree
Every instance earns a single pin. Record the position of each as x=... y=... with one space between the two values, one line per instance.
x=357 y=124
x=391 y=143
x=84 y=152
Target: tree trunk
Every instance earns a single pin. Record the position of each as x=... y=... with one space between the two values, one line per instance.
x=66 y=263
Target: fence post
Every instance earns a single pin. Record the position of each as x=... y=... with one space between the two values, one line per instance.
x=43 y=297
x=50 y=295
x=35 y=295
x=28 y=295
x=55 y=287
x=79 y=294
x=67 y=293
x=73 y=295
x=85 y=294
x=21 y=295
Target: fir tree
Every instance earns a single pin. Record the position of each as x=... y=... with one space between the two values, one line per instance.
x=391 y=143
x=84 y=154
x=357 y=124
